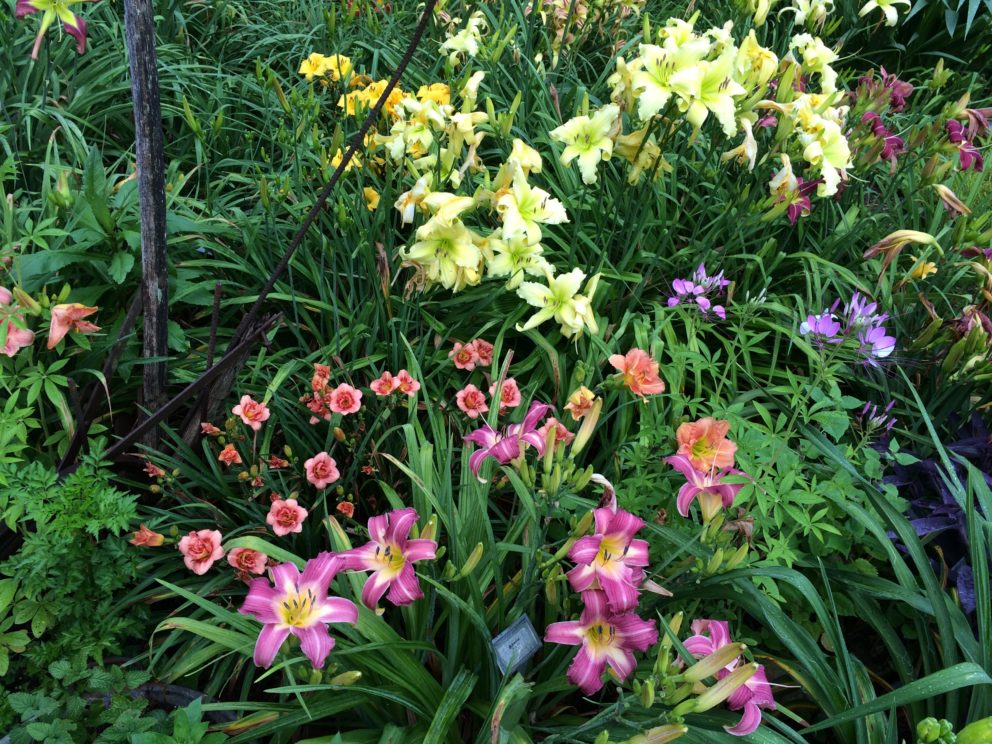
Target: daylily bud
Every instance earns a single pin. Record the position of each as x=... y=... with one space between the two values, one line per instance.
x=976 y=733
x=715 y=561
x=551 y=587
x=430 y=529
x=710 y=665
x=724 y=688
x=26 y=301
x=584 y=524
x=660 y=734
x=287 y=451
x=647 y=693
x=650 y=586
x=449 y=571
x=473 y=560
x=940 y=75
x=339 y=433
x=346 y=678
x=603 y=738
x=315 y=676
x=582 y=478
x=589 y=422
x=735 y=560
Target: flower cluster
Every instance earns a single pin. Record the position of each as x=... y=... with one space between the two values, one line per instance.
x=299 y=604
x=860 y=320
x=324 y=400
x=609 y=568
x=698 y=290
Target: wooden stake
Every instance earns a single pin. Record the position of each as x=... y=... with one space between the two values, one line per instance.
x=139 y=30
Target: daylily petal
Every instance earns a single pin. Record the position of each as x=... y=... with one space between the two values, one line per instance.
x=582 y=577
x=569 y=633
x=637 y=553
x=268 y=644
x=315 y=643
x=625 y=525
x=379 y=528
x=637 y=633
x=419 y=550
x=621 y=662
x=405 y=587
x=749 y=721
x=400 y=522
x=620 y=592
x=260 y=601
x=686 y=494
x=321 y=570
x=586 y=671
x=359 y=559
x=375 y=586
x=586 y=548
x=699 y=646
x=338 y=610
x=285 y=576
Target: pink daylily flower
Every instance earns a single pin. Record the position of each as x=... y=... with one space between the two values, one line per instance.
x=321 y=469
x=464 y=356
x=611 y=559
x=390 y=556
x=298 y=604
x=508 y=445
x=509 y=394
x=753 y=696
x=17 y=338
x=407 y=385
x=200 y=549
x=247 y=560
x=385 y=385
x=286 y=516
x=53 y=10
x=345 y=399
x=251 y=412
x=709 y=488
x=606 y=639
x=67 y=318
x=483 y=352
x=471 y=401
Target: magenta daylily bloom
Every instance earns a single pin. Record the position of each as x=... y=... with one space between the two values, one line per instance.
x=390 y=555
x=968 y=154
x=611 y=559
x=753 y=696
x=53 y=10
x=298 y=604
x=606 y=639
x=709 y=488
x=507 y=446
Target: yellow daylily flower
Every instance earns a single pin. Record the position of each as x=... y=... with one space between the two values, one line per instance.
x=826 y=147
x=587 y=139
x=446 y=251
x=526 y=156
x=514 y=258
x=409 y=201
x=371 y=198
x=922 y=269
x=439 y=93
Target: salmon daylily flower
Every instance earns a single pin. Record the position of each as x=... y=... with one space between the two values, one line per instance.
x=67 y=318
x=483 y=352
x=51 y=11
x=753 y=696
x=580 y=402
x=390 y=556
x=640 y=372
x=705 y=444
x=321 y=469
x=345 y=399
x=298 y=604
x=145 y=537
x=561 y=300
x=247 y=560
x=509 y=394
x=708 y=487
x=611 y=559
x=229 y=455
x=252 y=413
x=463 y=355
x=406 y=384
x=385 y=384
x=17 y=337
x=200 y=549
x=286 y=516
x=587 y=139
x=605 y=638
x=471 y=401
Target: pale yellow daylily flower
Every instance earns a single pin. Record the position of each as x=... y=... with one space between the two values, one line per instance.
x=826 y=147
x=587 y=139
x=524 y=208
x=887 y=7
x=409 y=201
x=708 y=87
x=562 y=301
x=514 y=258
x=446 y=251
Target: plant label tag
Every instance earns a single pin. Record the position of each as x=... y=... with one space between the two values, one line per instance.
x=515 y=645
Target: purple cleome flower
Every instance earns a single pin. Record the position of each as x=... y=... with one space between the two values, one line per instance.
x=696 y=289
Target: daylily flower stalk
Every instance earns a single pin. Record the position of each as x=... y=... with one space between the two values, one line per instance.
x=298 y=604
x=390 y=555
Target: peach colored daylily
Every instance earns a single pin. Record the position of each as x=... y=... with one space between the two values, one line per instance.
x=147 y=538
x=705 y=444
x=407 y=385
x=464 y=356
x=229 y=455
x=640 y=372
x=252 y=413
x=580 y=402
x=385 y=385
x=471 y=401
x=67 y=318
x=345 y=399
x=509 y=394
x=483 y=351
